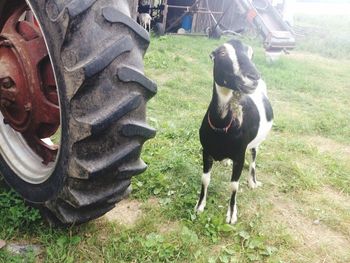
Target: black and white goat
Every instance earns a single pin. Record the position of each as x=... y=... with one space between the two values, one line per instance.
x=238 y=118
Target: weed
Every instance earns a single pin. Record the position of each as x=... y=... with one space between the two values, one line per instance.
x=15 y=215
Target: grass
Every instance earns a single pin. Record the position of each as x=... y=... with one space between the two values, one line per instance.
x=328 y=36
x=304 y=165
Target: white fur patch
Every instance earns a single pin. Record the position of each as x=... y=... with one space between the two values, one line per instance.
x=252 y=165
x=227 y=162
x=233 y=56
x=264 y=125
x=231 y=219
x=253 y=185
x=236 y=68
x=224 y=94
x=250 y=52
x=206 y=179
x=247 y=81
x=205 y=182
x=200 y=208
x=231 y=216
x=234 y=186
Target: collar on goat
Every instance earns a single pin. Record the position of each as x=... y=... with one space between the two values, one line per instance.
x=220 y=130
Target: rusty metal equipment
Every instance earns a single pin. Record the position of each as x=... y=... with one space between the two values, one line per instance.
x=28 y=94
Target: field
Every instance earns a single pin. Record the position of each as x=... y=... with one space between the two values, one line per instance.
x=300 y=214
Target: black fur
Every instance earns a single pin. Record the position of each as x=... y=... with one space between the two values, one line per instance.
x=268 y=109
x=231 y=144
x=223 y=68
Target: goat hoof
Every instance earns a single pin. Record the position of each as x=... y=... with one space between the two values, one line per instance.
x=199 y=209
x=231 y=220
x=258 y=184
x=253 y=185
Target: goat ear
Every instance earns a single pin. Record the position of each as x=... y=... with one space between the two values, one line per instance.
x=212 y=55
x=250 y=52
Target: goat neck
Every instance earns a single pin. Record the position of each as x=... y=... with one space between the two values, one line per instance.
x=224 y=106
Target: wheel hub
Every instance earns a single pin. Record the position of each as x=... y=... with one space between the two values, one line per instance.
x=28 y=94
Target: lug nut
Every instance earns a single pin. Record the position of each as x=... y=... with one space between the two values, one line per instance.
x=7 y=83
x=5 y=103
x=27 y=106
x=6 y=43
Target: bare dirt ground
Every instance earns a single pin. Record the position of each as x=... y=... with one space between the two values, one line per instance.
x=127 y=212
x=314 y=241
x=330 y=146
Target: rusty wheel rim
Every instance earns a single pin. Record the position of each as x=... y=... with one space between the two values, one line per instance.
x=29 y=103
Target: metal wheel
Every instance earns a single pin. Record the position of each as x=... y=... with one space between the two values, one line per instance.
x=28 y=98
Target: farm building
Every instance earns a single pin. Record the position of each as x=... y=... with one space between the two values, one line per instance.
x=201 y=15
x=193 y=15
x=207 y=17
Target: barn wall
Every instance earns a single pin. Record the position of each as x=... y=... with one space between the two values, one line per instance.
x=134 y=8
x=174 y=13
x=202 y=21
x=181 y=2
x=232 y=19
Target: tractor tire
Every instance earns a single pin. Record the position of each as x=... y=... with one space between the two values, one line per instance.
x=96 y=50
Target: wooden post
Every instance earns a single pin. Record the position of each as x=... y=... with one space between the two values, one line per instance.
x=194 y=22
x=165 y=14
x=135 y=4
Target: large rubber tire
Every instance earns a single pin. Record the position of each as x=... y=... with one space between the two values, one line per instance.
x=96 y=49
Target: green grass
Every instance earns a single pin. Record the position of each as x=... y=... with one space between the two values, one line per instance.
x=309 y=91
x=327 y=35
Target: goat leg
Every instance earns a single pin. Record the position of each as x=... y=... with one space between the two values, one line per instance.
x=252 y=182
x=207 y=165
x=231 y=216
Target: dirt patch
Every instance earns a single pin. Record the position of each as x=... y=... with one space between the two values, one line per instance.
x=160 y=78
x=127 y=212
x=342 y=199
x=2 y=243
x=313 y=239
x=328 y=145
x=190 y=59
x=331 y=206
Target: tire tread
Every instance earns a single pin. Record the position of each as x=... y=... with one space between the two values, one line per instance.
x=104 y=179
